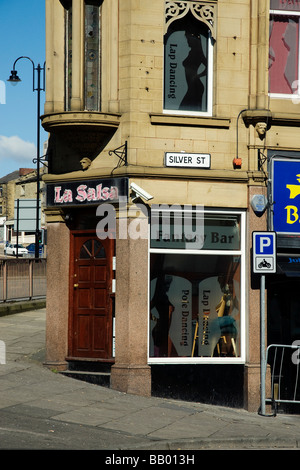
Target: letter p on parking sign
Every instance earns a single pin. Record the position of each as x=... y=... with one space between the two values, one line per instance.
x=264 y=252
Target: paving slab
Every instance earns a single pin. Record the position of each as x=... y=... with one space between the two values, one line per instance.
x=41 y=409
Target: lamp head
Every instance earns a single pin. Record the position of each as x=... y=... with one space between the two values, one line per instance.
x=14 y=79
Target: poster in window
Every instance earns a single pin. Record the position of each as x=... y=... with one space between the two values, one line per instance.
x=171 y=317
x=218 y=317
x=287 y=5
x=210 y=294
x=283 y=54
x=186 y=55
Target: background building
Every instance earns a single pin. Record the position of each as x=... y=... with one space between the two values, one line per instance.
x=20 y=184
x=182 y=104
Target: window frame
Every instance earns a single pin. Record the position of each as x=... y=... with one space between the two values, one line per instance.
x=210 y=79
x=68 y=25
x=97 y=108
x=241 y=252
x=296 y=95
x=68 y=57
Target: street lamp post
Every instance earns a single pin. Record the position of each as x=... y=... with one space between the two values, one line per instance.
x=14 y=79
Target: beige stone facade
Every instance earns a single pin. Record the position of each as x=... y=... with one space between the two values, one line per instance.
x=131 y=112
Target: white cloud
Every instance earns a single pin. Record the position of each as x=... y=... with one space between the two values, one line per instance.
x=17 y=149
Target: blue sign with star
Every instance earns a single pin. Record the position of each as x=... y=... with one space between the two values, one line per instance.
x=286 y=195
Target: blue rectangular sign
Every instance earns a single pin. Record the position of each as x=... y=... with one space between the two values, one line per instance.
x=286 y=195
x=264 y=243
x=264 y=252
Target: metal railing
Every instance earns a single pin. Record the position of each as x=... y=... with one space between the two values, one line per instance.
x=283 y=361
x=22 y=279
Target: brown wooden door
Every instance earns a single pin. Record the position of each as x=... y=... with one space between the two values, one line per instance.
x=90 y=332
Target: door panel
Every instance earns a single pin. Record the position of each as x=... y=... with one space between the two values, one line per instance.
x=83 y=339
x=99 y=336
x=84 y=273
x=90 y=332
x=100 y=273
x=99 y=299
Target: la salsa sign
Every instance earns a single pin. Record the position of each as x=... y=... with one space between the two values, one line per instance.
x=86 y=192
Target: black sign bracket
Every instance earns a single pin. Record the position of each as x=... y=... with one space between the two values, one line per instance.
x=121 y=153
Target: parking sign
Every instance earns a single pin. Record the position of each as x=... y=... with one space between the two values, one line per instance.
x=264 y=252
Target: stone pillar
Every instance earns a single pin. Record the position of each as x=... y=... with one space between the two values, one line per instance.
x=55 y=57
x=259 y=56
x=252 y=366
x=131 y=374
x=259 y=113
x=263 y=54
x=57 y=309
x=110 y=56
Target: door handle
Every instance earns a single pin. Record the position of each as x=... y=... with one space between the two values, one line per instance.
x=75 y=285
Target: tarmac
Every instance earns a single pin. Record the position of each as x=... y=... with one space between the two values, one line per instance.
x=41 y=409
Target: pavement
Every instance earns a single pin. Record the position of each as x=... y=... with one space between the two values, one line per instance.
x=43 y=409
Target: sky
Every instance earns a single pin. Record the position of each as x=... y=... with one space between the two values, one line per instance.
x=22 y=33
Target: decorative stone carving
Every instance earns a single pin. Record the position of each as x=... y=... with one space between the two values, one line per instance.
x=85 y=163
x=202 y=11
x=260 y=119
x=261 y=129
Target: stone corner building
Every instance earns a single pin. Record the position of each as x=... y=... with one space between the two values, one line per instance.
x=169 y=111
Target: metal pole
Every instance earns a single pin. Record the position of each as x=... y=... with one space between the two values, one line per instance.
x=37 y=230
x=262 y=344
x=18 y=212
x=14 y=79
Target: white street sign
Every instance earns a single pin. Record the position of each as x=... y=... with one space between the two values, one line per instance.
x=192 y=160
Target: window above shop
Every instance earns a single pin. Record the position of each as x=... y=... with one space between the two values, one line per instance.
x=92 y=58
x=91 y=66
x=188 y=57
x=284 y=49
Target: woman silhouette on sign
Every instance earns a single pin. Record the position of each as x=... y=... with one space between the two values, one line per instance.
x=164 y=307
x=194 y=95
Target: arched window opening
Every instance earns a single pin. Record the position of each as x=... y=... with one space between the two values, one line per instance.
x=92 y=249
x=188 y=58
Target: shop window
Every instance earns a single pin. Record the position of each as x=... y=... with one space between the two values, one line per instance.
x=188 y=58
x=196 y=295
x=284 y=48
